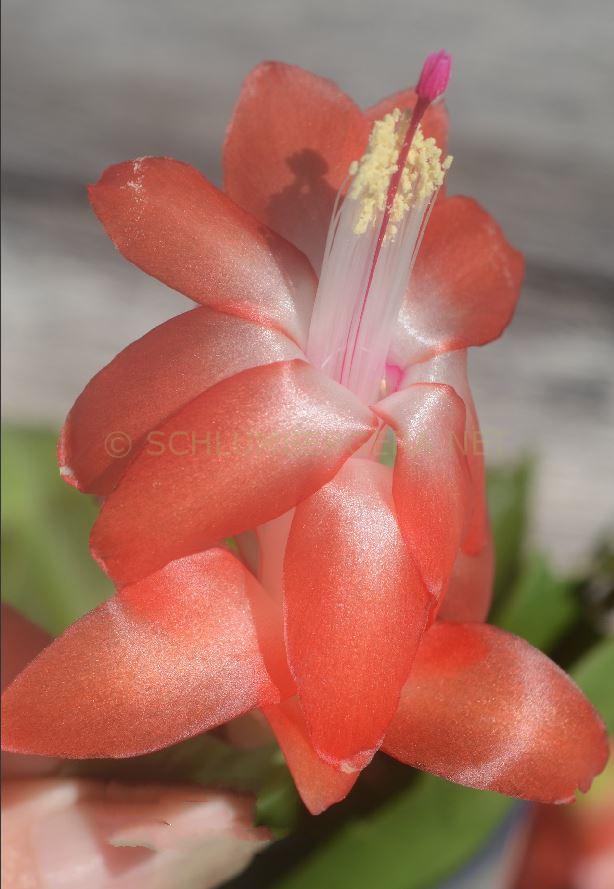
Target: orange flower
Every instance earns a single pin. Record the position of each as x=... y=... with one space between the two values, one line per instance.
x=259 y=415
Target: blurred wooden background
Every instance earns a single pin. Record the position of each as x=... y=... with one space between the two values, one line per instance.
x=90 y=82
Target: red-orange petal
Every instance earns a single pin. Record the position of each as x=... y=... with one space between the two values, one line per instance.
x=152 y=379
x=288 y=148
x=167 y=219
x=355 y=610
x=431 y=483
x=242 y=453
x=318 y=783
x=176 y=654
x=433 y=124
x=464 y=286
x=470 y=591
x=485 y=709
x=451 y=369
x=21 y=642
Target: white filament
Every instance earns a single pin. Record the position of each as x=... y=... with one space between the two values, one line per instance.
x=349 y=343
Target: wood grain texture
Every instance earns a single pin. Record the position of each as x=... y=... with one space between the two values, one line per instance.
x=90 y=83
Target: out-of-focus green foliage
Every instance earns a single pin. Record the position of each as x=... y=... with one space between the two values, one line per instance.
x=205 y=759
x=540 y=607
x=389 y=449
x=48 y=573
x=408 y=835
x=594 y=673
x=508 y=503
x=278 y=804
x=418 y=838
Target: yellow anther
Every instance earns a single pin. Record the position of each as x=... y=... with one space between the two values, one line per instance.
x=423 y=173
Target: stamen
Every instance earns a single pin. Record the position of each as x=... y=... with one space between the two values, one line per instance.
x=373 y=241
x=422 y=175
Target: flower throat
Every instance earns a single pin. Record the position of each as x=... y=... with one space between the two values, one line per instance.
x=375 y=232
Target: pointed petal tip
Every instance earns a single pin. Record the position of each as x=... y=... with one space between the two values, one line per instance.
x=67 y=473
x=358 y=762
x=349 y=765
x=319 y=784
